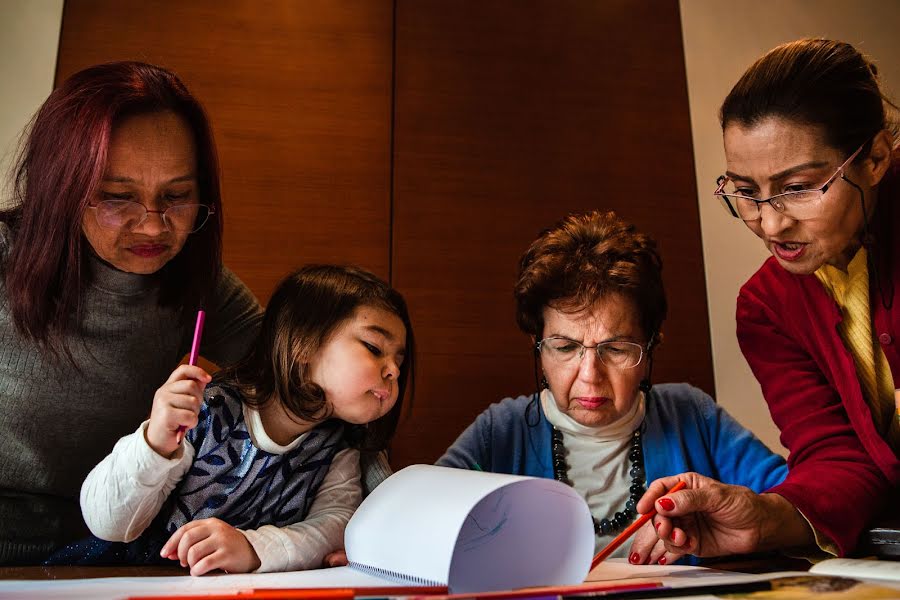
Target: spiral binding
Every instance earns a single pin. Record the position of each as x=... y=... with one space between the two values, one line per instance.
x=395 y=576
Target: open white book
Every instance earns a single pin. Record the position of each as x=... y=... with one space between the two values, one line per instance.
x=471 y=531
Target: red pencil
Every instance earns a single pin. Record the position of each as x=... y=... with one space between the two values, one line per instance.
x=630 y=530
x=305 y=594
x=262 y=594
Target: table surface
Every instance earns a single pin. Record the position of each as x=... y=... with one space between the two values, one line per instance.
x=89 y=572
x=743 y=565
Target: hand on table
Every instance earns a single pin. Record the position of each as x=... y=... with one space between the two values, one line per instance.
x=209 y=544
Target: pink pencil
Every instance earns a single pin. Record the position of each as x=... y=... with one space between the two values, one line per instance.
x=192 y=359
x=198 y=331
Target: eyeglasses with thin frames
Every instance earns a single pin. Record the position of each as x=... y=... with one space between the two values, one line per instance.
x=127 y=214
x=798 y=204
x=615 y=355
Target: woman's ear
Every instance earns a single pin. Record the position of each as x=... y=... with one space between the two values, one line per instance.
x=880 y=155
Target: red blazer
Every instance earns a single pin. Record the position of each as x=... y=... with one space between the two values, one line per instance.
x=841 y=471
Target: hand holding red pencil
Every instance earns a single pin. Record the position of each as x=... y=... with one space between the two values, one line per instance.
x=711 y=518
x=629 y=531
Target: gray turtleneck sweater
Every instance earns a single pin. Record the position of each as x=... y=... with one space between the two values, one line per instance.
x=58 y=420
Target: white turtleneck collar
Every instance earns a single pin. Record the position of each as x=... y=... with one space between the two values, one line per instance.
x=597 y=459
x=261 y=439
x=617 y=430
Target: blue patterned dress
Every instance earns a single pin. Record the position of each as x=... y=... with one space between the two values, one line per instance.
x=230 y=479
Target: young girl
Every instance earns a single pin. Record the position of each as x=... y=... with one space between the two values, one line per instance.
x=267 y=476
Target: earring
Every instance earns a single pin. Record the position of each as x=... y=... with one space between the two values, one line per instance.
x=645 y=385
x=544 y=383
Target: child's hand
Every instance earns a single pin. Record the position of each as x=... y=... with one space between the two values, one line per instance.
x=210 y=544
x=175 y=404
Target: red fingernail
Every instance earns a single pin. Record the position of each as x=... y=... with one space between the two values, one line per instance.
x=672 y=536
x=658 y=525
x=635 y=558
x=662 y=560
x=666 y=504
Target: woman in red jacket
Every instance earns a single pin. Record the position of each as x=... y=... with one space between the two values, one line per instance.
x=813 y=171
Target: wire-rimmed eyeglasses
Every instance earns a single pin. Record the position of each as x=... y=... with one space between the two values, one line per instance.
x=796 y=204
x=127 y=214
x=616 y=355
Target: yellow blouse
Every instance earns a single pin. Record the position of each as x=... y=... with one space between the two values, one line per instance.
x=851 y=292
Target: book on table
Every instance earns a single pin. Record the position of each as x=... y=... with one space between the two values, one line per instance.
x=432 y=529
x=471 y=531
x=425 y=528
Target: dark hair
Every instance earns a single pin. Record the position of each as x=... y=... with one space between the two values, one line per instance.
x=816 y=82
x=60 y=166
x=584 y=258
x=307 y=307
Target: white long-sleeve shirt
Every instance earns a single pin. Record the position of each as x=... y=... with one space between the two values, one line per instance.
x=126 y=490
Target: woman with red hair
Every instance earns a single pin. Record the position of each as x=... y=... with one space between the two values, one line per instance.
x=113 y=243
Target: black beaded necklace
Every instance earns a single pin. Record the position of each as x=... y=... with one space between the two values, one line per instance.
x=636 y=455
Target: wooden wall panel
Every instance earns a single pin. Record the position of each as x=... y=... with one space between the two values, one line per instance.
x=299 y=94
x=509 y=115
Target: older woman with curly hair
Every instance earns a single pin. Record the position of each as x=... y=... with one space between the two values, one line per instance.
x=590 y=295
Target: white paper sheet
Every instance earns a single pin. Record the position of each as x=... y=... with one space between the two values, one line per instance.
x=619 y=568
x=875 y=572
x=116 y=588
x=859 y=568
x=473 y=531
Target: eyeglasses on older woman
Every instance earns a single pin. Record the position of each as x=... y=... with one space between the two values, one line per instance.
x=613 y=354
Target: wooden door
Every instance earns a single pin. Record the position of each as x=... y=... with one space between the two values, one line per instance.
x=510 y=115
x=430 y=141
x=299 y=94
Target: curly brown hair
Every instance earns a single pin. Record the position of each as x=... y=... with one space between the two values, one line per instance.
x=584 y=258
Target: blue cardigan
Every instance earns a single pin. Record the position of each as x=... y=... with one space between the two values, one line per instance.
x=683 y=430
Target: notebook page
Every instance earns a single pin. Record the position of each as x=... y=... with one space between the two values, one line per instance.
x=859 y=568
x=472 y=531
x=116 y=588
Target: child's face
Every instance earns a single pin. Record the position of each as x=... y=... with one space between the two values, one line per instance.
x=358 y=366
